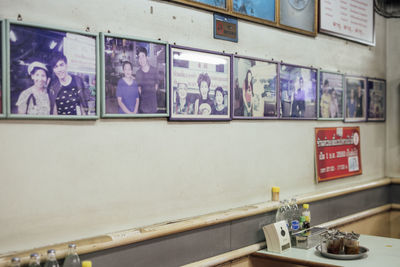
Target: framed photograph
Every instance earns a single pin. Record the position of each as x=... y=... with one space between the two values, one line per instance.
x=260 y=10
x=356 y=99
x=255 y=88
x=215 y=5
x=299 y=16
x=376 y=99
x=298 y=92
x=2 y=70
x=134 y=82
x=53 y=73
x=350 y=20
x=330 y=96
x=200 y=84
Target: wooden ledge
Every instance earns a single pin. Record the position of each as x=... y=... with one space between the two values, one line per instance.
x=135 y=235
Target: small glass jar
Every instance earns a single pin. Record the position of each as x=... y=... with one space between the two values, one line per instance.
x=275 y=193
x=351 y=246
x=333 y=245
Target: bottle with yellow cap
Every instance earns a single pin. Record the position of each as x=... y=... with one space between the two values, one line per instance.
x=86 y=264
x=275 y=193
x=306 y=212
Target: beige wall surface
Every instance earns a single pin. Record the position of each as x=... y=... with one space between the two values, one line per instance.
x=393 y=98
x=64 y=180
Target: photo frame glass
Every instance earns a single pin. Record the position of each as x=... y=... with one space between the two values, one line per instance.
x=135 y=82
x=299 y=14
x=330 y=96
x=255 y=84
x=214 y=3
x=262 y=9
x=355 y=99
x=200 y=85
x=1 y=71
x=52 y=73
x=298 y=92
x=376 y=100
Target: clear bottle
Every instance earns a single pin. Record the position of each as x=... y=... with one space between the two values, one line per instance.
x=34 y=260
x=51 y=259
x=306 y=213
x=15 y=262
x=294 y=213
x=86 y=264
x=280 y=212
x=72 y=258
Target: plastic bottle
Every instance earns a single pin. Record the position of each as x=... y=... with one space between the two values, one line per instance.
x=280 y=212
x=34 y=261
x=294 y=215
x=51 y=259
x=72 y=258
x=15 y=262
x=302 y=221
x=86 y=264
x=306 y=213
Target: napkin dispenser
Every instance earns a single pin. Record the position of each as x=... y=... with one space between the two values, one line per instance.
x=277 y=237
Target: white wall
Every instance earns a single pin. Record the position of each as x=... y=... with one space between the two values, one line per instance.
x=393 y=98
x=63 y=180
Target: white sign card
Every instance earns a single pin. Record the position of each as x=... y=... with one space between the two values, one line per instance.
x=349 y=19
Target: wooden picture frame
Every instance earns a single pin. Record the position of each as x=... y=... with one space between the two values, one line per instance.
x=330 y=95
x=150 y=88
x=200 y=86
x=62 y=63
x=298 y=16
x=298 y=92
x=376 y=108
x=355 y=98
x=260 y=99
x=3 y=64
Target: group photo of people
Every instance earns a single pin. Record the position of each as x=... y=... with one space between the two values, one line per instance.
x=255 y=88
x=331 y=96
x=355 y=99
x=135 y=77
x=52 y=73
x=201 y=85
x=298 y=92
x=377 y=95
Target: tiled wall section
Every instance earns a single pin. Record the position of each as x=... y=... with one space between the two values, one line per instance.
x=191 y=246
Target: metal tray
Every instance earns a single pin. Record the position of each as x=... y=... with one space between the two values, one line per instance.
x=363 y=252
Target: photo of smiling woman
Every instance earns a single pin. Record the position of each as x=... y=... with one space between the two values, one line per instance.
x=52 y=73
x=35 y=100
x=200 y=85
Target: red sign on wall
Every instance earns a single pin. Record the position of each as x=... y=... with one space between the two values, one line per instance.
x=338 y=152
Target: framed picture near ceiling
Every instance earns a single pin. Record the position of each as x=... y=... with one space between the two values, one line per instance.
x=376 y=99
x=356 y=99
x=298 y=92
x=351 y=20
x=299 y=16
x=135 y=77
x=200 y=84
x=213 y=5
x=52 y=72
x=330 y=96
x=255 y=88
x=263 y=11
x=2 y=70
